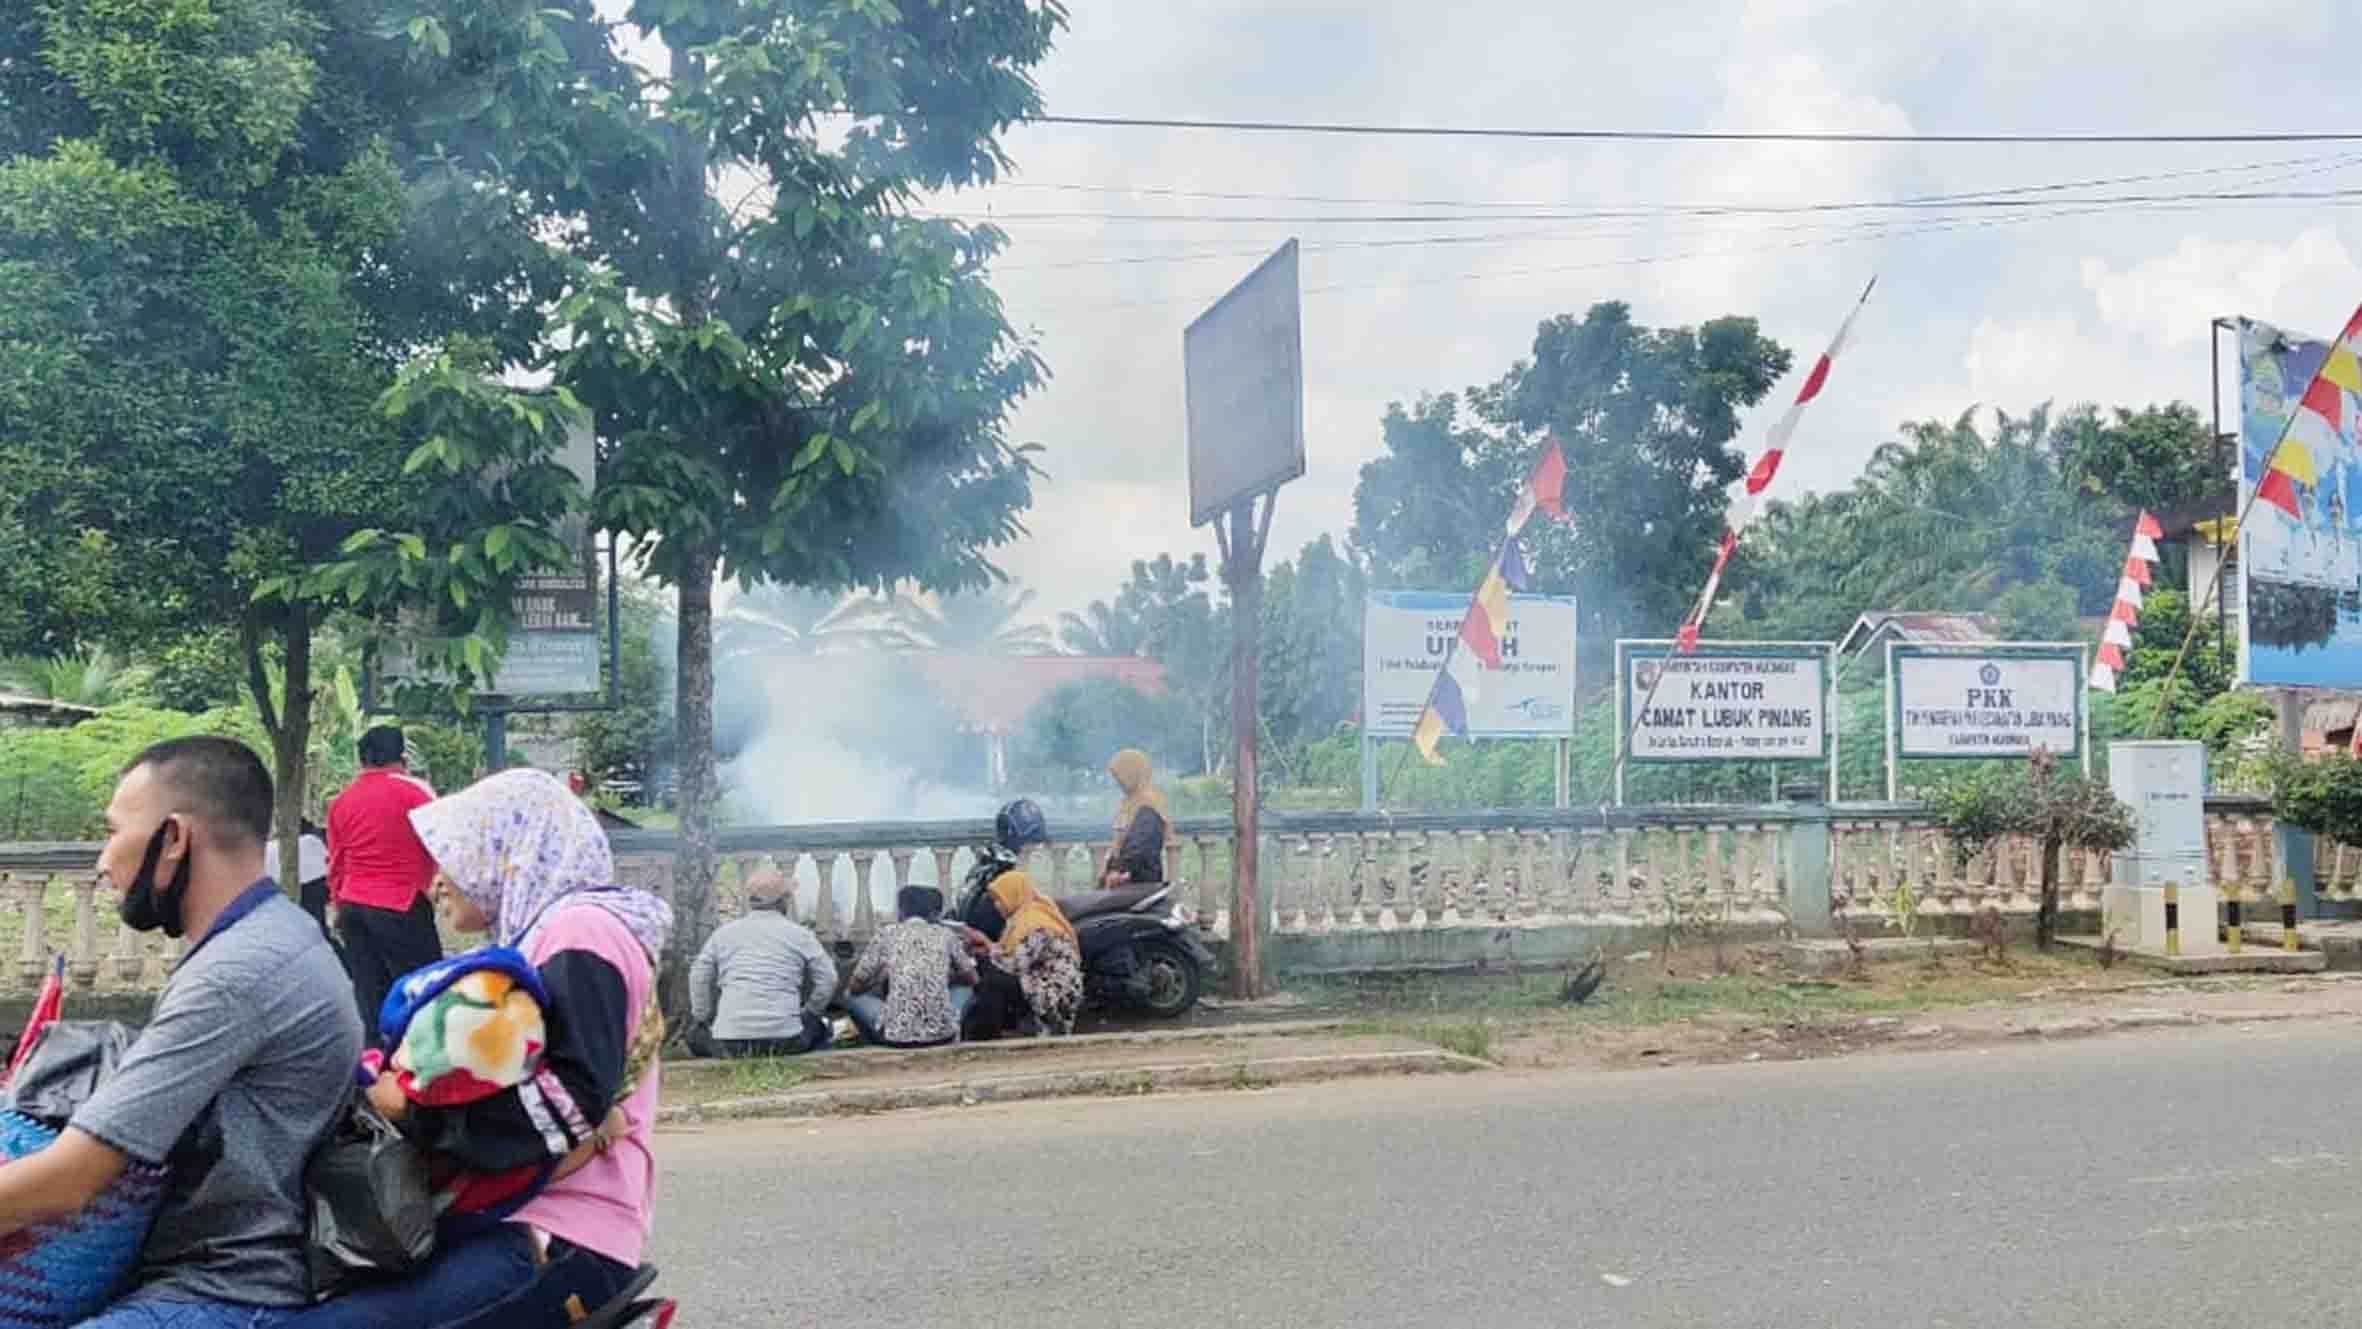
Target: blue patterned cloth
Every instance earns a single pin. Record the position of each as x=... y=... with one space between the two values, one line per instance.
x=58 y=1274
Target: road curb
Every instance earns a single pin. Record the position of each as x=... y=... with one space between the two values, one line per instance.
x=1248 y=1073
x=863 y=1058
x=2087 y=1025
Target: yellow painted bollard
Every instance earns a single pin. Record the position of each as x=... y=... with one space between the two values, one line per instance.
x=2231 y=919
x=2173 y=919
x=2287 y=914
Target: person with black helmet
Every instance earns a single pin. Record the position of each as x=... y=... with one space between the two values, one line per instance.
x=1033 y=962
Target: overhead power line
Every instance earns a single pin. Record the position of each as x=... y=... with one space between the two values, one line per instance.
x=1898 y=229
x=1628 y=214
x=2323 y=161
x=1681 y=135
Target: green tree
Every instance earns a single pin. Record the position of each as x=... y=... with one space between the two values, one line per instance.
x=220 y=233
x=1184 y=629
x=1063 y=746
x=93 y=677
x=1646 y=418
x=2160 y=457
x=1948 y=517
x=985 y=622
x=1311 y=657
x=1100 y=628
x=789 y=620
x=796 y=376
x=2058 y=807
x=637 y=736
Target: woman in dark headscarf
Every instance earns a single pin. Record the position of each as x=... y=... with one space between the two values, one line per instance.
x=924 y=970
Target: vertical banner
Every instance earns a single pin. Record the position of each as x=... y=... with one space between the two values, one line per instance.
x=2300 y=544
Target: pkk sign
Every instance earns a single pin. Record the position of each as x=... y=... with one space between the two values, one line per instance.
x=1987 y=706
x=1712 y=707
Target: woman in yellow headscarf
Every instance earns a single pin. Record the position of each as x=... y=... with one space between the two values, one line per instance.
x=1142 y=824
x=1037 y=952
x=1038 y=948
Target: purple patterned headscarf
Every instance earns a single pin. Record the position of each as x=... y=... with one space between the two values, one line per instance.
x=517 y=843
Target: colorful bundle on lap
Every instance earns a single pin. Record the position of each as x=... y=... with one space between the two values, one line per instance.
x=464 y=1030
x=58 y=1274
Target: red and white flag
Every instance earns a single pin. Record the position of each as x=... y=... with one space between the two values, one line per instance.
x=46 y=1008
x=2116 y=641
x=1747 y=495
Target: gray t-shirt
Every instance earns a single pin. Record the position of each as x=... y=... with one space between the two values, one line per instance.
x=237 y=1077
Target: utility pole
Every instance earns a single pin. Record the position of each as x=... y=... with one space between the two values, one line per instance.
x=1242 y=534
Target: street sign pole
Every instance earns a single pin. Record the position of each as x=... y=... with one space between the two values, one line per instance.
x=1243 y=378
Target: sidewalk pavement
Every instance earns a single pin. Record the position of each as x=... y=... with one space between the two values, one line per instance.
x=868 y=1079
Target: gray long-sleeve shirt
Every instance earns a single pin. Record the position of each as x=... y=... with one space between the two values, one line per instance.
x=755 y=977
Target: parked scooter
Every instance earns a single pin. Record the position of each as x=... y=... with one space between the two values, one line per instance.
x=1139 y=952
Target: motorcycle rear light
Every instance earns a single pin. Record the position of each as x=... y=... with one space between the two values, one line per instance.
x=664 y=1315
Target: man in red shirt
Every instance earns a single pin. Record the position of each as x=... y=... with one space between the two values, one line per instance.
x=378 y=874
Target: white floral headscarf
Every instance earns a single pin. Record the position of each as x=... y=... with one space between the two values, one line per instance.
x=517 y=843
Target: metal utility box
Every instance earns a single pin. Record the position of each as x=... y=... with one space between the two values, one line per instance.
x=2164 y=783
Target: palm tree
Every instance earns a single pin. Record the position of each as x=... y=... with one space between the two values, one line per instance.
x=91 y=677
x=977 y=622
x=1102 y=629
x=793 y=620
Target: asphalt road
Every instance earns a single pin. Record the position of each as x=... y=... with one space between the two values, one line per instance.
x=2179 y=1177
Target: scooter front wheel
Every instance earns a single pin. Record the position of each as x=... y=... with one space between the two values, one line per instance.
x=1171 y=978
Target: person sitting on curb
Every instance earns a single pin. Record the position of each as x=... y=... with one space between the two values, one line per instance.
x=926 y=971
x=761 y=985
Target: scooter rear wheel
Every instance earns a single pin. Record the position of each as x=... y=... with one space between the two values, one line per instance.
x=1172 y=980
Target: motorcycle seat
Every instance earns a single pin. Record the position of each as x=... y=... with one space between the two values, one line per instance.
x=1091 y=904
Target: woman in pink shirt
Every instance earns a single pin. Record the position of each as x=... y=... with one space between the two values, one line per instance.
x=528 y=862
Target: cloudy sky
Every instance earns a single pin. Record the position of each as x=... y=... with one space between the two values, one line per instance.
x=2005 y=307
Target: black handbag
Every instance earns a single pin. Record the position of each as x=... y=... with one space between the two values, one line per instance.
x=372 y=1203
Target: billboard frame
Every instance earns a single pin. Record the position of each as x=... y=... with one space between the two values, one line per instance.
x=1219 y=450
x=2074 y=652
x=1660 y=648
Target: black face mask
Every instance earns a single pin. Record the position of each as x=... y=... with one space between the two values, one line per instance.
x=146 y=907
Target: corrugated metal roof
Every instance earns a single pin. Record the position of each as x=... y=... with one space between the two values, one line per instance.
x=1918 y=625
x=2332 y=711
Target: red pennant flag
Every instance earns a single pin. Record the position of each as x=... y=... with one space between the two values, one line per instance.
x=1549 y=482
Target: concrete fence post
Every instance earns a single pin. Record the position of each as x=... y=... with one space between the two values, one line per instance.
x=1808 y=862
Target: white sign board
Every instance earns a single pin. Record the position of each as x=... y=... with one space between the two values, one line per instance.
x=1711 y=706
x=1243 y=366
x=2002 y=704
x=1406 y=635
